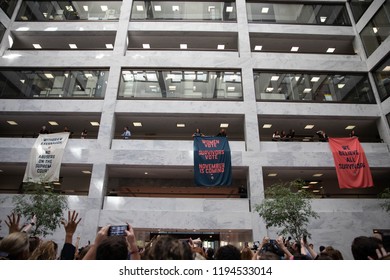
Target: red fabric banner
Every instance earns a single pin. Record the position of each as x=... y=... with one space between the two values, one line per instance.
x=351 y=163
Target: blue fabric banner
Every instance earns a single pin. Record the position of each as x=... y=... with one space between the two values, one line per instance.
x=212 y=161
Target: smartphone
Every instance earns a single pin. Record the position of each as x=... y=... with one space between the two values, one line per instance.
x=117 y=230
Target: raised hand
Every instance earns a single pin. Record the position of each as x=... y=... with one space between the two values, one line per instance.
x=13 y=222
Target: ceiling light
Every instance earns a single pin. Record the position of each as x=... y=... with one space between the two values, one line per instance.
x=221 y=47
x=317 y=175
x=183 y=46
x=146 y=173
x=85 y=8
x=157 y=8
x=231 y=88
x=375 y=29
x=172 y=87
x=140 y=8
x=94 y=123
x=315 y=79
x=313 y=183
x=86 y=172
x=229 y=9
x=211 y=8
x=309 y=126
x=12 y=123
x=330 y=50
x=316 y=191
x=69 y=8
x=23 y=28
x=224 y=125
x=88 y=75
x=294 y=49
x=350 y=127
x=272 y=174
x=305 y=187
x=340 y=85
x=175 y=8
x=53 y=123
x=180 y=125
x=267 y=125
x=274 y=78
x=264 y=10
x=73 y=46
x=139 y=124
x=258 y=48
x=307 y=90
x=37 y=46
x=146 y=46
x=51 y=29
x=22 y=81
x=269 y=89
x=49 y=76
x=323 y=19
x=109 y=46
x=104 y=8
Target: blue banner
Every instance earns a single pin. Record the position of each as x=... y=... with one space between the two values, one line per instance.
x=212 y=161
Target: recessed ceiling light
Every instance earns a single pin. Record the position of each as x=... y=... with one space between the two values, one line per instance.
x=22 y=81
x=139 y=124
x=231 y=88
x=183 y=46
x=85 y=8
x=86 y=172
x=340 y=85
x=73 y=46
x=387 y=68
x=37 y=46
x=94 y=123
x=315 y=79
x=146 y=46
x=88 y=75
x=49 y=76
x=317 y=175
x=12 y=123
x=109 y=46
x=51 y=29
x=22 y=29
x=350 y=127
x=104 y=8
x=211 y=8
x=180 y=125
x=274 y=78
x=267 y=125
x=53 y=123
x=269 y=89
x=175 y=8
x=157 y=8
x=146 y=173
x=172 y=87
x=305 y=187
x=224 y=125
x=309 y=126
x=313 y=182
x=258 y=48
x=375 y=29
x=323 y=19
x=316 y=191
x=140 y=8
x=264 y=10
x=307 y=90
x=229 y=9
x=272 y=174
x=294 y=49
x=330 y=50
x=221 y=47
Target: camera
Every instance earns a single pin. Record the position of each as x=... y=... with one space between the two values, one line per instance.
x=118 y=230
x=272 y=246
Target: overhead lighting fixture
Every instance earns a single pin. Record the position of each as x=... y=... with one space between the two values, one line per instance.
x=340 y=85
x=49 y=76
x=146 y=46
x=146 y=173
x=221 y=47
x=157 y=8
x=94 y=123
x=37 y=46
x=231 y=88
x=316 y=191
x=375 y=29
x=104 y=8
x=330 y=50
x=294 y=49
x=309 y=126
x=315 y=79
x=180 y=125
x=86 y=172
x=267 y=125
x=22 y=81
x=175 y=8
x=137 y=124
x=183 y=46
x=172 y=87
x=258 y=48
x=54 y=123
x=88 y=75
x=224 y=125
x=350 y=127
x=274 y=78
x=51 y=29
x=229 y=9
x=313 y=182
x=85 y=8
x=12 y=123
x=22 y=28
x=317 y=175
x=69 y=8
x=269 y=89
x=323 y=19
x=109 y=46
x=211 y=8
x=140 y=8
x=73 y=46
x=272 y=174
x=264 y=10
x=305 y=187
x=307 y=90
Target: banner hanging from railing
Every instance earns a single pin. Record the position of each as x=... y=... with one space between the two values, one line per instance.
x=212 y=161
x=351 y=163
x=46 y=157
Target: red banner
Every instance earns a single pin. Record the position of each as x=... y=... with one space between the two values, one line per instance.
x=351 y=163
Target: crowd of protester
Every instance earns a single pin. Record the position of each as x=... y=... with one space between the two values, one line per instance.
x=19 y=245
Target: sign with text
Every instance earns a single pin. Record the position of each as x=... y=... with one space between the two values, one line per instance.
x=351 y=163
x=45 y=158
x=212 y=161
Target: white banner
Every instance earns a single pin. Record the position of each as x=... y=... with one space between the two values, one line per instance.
x=45 y=158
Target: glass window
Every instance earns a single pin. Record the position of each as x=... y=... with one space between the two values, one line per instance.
x=377 y=30
x=382 y=79
x=359 y=7
x=184 y=10
x=350 y=88
x=69 y=10
x=321 y=14
x=180 y=84
x=53 y=84
x=2 y=31
x=8 y=6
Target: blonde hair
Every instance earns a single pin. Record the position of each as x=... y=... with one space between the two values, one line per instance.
x=16 y=245
x=47 y=250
